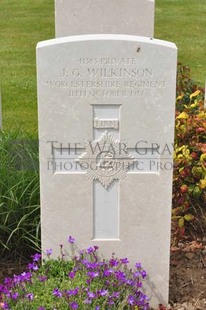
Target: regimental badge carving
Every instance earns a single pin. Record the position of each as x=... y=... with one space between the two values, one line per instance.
x=105 y=159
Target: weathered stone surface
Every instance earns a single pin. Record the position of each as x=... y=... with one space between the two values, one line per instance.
x=133 y=17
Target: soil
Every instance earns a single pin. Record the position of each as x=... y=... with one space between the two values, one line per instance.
x=187 y=275
x=8 y=269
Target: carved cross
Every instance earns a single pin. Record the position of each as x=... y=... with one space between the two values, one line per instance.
x=105 y=161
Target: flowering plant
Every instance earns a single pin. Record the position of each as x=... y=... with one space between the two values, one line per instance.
x=189 y=178
x=83 y=282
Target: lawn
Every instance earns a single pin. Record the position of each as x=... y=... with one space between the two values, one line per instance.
x=24 y=23
x=184 y=22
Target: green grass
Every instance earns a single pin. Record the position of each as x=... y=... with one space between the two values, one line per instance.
x=22 y=24
x=184 y=22
x=19 y=195
x=25 y=22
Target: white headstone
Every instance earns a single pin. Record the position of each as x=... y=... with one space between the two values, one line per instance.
x=133 y=17
x=106 y=125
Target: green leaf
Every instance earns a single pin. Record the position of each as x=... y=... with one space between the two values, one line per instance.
x=181 y=222
x=197 y=191
x=189 y=217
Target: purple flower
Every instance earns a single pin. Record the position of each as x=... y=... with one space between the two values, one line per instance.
x=74 y=305
x=90 y=250
x=124 y=260
x=5 y=306
x=144 y=274
x=142 y=301
x=139 y=284
x=97 y=308
x=71 y=240
x=72 y=292
x=88 y=281
x=131 y=300
x=25 y=276
x=57 y=293
x=111 y=301
x=30 y=296
x=32 y=266
x=41 y=308
x=138 y=265
x=107 y=283
x=103 y=292
x=15 y=295
x=3 y=289
x=92 y=274
x=92 y=265
x=113 y=262
x=85 y=262
x=17 y=279
x=130 y=282
x=7 y=281
x=115 y=294
x=91 y=295
x=107 y=272
x=136 y=274
x=71 y=274
x=120 y=275
x=42 y=278
x=36 y=257
x=49 y=252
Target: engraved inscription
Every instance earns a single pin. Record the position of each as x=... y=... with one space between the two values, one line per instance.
x=106 y=123
x=113 y=61
x=108 y=73
x=106 y=78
